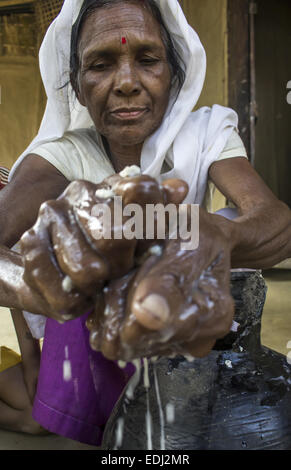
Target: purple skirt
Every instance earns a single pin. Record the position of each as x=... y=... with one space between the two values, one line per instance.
x=77 y=387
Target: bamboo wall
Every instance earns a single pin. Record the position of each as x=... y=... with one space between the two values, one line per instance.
x=21 y=88
x=22 y=95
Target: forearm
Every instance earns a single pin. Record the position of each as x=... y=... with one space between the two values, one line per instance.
x=261 y=237
x=12 y=294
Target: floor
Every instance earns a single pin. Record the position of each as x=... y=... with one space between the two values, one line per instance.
x=276 y=320
x=17 y=441
x=276 y=333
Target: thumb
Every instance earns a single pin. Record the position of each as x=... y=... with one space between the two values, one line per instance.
x=152 y=312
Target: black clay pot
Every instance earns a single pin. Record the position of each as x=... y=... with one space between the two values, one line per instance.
x=238 y=397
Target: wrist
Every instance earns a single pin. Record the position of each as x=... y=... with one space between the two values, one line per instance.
x=15 y=293
x=29 y=300
x=230 y=230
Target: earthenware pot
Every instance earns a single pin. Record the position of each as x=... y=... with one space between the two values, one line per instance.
x=238 y=397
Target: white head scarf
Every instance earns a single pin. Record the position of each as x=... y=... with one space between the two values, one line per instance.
x=190 y=141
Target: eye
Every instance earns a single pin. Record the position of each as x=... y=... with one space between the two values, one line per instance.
x=99 y=67
x=148 y=60
x=101 y=64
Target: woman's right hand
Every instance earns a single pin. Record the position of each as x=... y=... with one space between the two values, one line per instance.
x=65 y=264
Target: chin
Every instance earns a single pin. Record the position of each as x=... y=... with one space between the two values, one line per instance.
x=133 y=136
x=126 y=138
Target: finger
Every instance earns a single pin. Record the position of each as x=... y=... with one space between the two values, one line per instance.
x=176 y=190
x=140 y=336
x=199 y=348
x=86 y=269
x=94 y=322
x=42 y=271
x=93 y=208
x=219 y=322
x=194 y=304
x=142 y=190
x=108 y=318
x=103 y=231
x=158 y=294
x=113 y=314
x=215 y=286
x=152 y=311
x=80 y=194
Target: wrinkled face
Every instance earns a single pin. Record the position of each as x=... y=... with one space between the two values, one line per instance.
x=124 y=78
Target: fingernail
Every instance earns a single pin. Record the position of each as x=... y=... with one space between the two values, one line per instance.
x=93 y=336
x=67 y=284
x=67 y=317
x=122 y=364
x=152 y=312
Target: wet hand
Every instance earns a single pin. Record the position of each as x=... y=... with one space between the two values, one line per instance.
x=178 y=302
x=65 y=262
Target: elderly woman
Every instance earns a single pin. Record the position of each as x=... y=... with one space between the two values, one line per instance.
x=136 y=72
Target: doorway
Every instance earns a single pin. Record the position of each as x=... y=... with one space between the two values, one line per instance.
x=272 y=36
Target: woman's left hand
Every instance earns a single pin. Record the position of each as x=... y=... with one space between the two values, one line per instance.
x=176 y=303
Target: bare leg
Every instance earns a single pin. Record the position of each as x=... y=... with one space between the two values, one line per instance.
x=15 y=406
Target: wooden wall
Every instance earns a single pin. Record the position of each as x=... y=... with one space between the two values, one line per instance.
x=273 y=72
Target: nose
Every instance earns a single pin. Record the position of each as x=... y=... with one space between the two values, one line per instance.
x=126 y=80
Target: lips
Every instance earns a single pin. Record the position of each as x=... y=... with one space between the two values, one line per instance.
x=129 y=113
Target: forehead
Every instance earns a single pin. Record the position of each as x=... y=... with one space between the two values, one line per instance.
x=111 y=22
